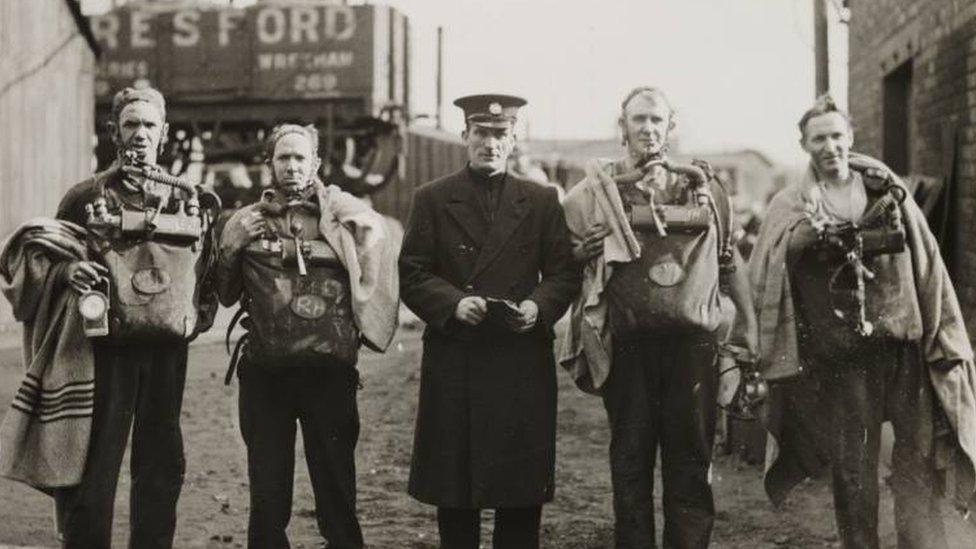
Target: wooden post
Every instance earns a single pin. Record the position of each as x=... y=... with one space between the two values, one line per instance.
x=440 y=74
x=821 y=55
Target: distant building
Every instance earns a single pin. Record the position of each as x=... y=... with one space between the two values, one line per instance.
x=913 y=100
x=564 y=160
x=47 y=105
x=749 y=174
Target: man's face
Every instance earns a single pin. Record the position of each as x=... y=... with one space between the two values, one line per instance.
x=488 y=148
x=646 y=123
x=294 y=164
x=140 y=128
x=827 y=138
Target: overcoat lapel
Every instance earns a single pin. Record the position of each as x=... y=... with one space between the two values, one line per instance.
x=512 y=210
x=464 y=208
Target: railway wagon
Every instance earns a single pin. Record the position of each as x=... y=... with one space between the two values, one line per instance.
x=229 y=74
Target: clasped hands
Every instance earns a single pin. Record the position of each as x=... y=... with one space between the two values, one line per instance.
x=472 y=311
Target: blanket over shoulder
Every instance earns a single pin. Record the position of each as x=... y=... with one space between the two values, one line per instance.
x=944 y=345
x=45 y=433
x=366 y=246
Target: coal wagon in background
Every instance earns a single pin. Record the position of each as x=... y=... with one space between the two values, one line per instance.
x=230 y=74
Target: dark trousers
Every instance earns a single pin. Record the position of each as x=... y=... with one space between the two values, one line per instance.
x=322 y=397
x=515 y=528
x=137 y=386
x=883 y=382
x=661 y=392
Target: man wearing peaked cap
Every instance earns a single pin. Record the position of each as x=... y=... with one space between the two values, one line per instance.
x=490 y=110
x=487 y=264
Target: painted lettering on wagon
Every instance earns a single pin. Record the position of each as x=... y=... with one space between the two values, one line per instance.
x=136 y=29
x=299 y=51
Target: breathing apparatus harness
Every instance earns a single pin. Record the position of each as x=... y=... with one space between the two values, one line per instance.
x=879 y=231
x=294 y=252
x=190 y=224
x=696 y=215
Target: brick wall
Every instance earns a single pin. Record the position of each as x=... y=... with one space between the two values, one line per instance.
x=939 y=38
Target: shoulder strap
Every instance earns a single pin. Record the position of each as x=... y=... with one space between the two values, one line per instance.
x=233 y=322
x=725 y=254
x=235 y=358
x=99 y=180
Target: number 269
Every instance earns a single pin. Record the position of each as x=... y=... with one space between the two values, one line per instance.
x=315 y=82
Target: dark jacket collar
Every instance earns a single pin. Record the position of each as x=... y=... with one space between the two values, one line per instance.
x=464 y=208
x=483 y=178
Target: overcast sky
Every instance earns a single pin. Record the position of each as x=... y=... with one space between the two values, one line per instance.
x=740 y=72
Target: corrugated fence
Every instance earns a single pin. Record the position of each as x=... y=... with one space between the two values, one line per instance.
x=429 y=154
x=46 y=110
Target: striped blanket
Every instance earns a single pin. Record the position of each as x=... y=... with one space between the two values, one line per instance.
x=44 y=435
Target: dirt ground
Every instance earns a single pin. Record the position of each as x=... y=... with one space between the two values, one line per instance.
x=213 y=505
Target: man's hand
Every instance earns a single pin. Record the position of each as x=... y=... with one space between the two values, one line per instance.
x=528 y=316
x=82 y=275
x=254 y=224
x=874 y=167
x=803 y=236
x=471 y=310
x=591 y=245
x=728 y=380
x=745 y=333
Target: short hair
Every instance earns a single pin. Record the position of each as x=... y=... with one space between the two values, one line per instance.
x=129 y=95
x=282 y=130
x=655 y=93
x=824 y=104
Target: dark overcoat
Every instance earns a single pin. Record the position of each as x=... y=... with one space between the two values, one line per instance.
x=486 y=420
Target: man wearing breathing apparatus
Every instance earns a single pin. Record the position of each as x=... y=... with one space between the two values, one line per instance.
x=134 y=245
x=314 y=269
x=859 y=325
x=655 y=237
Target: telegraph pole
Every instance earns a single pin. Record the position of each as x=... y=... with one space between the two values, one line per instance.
x=821 y=56
x=440 y=74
